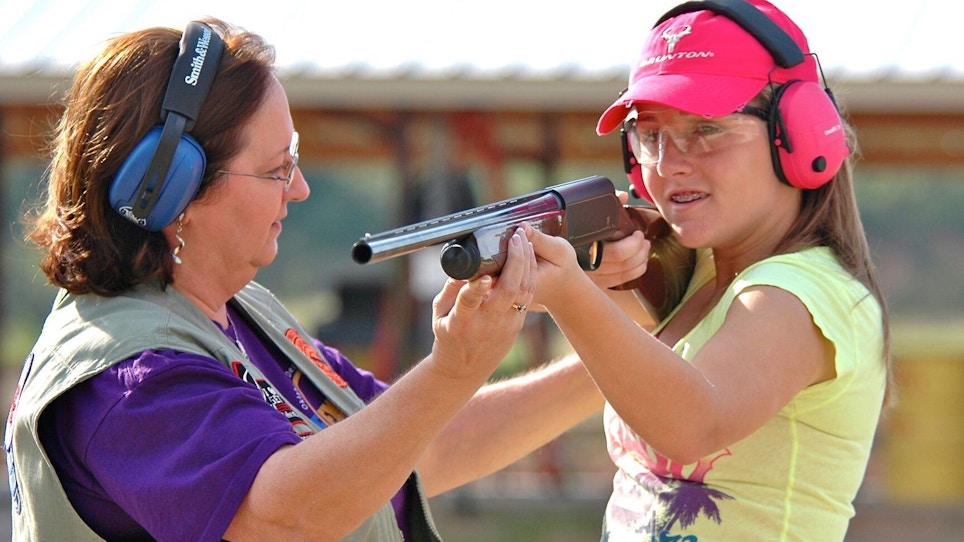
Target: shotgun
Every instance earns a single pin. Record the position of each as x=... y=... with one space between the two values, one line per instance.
x=586 y=212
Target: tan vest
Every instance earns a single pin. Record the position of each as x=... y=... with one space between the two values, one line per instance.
x=84 y=335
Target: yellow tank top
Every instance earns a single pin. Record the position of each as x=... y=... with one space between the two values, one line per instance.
x=795 y=477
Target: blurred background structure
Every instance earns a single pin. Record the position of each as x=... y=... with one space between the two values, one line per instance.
x=409 y=110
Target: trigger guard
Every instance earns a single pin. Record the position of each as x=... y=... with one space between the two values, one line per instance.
x=589 y=256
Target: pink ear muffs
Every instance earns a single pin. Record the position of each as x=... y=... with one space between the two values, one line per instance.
x=807 y=137
x=633 y=171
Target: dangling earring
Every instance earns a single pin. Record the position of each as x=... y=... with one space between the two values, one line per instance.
x=180 y=241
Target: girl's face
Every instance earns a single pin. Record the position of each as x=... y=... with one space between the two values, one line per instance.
x=713 y=179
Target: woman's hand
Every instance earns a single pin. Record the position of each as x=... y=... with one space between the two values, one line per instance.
x=476 y=322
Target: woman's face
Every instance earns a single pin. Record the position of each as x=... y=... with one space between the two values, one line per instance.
x=713 y=179
x=236 y=231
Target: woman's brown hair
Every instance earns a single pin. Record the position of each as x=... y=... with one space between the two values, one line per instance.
x=115 y=99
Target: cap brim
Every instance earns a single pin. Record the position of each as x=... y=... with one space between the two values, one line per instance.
x=698 y=94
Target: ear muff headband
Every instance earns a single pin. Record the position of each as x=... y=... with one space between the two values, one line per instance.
x=164 y=171
x=774 y=39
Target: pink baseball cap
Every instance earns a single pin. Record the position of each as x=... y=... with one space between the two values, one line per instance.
x=704 y=63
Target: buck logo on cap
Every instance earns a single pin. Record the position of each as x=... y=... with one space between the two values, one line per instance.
x=672 y=38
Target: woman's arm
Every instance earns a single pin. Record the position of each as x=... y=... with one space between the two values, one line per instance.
x=324 y=487
x=506 y=420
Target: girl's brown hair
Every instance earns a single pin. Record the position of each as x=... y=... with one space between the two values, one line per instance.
x=829 y=217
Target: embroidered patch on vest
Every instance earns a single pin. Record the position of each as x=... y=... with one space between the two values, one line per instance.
x=16 y=500
x=275 y=399
x=307 y=349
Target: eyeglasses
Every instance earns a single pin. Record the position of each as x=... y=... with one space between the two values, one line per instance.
x=287 y=171
x=694 y=135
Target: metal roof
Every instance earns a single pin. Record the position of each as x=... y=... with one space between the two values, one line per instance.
x=512 y=54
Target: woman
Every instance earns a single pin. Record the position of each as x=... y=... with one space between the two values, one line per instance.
x=748 y=412
x=169 y=396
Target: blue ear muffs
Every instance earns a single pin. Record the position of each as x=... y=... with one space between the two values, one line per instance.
x=175 y=191
x=163 y=173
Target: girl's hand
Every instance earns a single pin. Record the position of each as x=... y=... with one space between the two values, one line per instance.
x=556 y=266
x=622 y=261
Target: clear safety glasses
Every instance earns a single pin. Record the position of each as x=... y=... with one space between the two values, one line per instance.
x=650 y=132
x=284 y=173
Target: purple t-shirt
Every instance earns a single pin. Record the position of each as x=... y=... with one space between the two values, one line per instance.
x=166 y=444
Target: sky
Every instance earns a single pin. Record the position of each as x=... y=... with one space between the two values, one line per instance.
x=915 y=38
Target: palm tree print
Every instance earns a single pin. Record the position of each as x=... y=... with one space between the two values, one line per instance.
x=674 y=495
x=684 y=501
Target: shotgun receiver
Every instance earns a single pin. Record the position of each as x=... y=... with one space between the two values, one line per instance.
x=586 y=212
